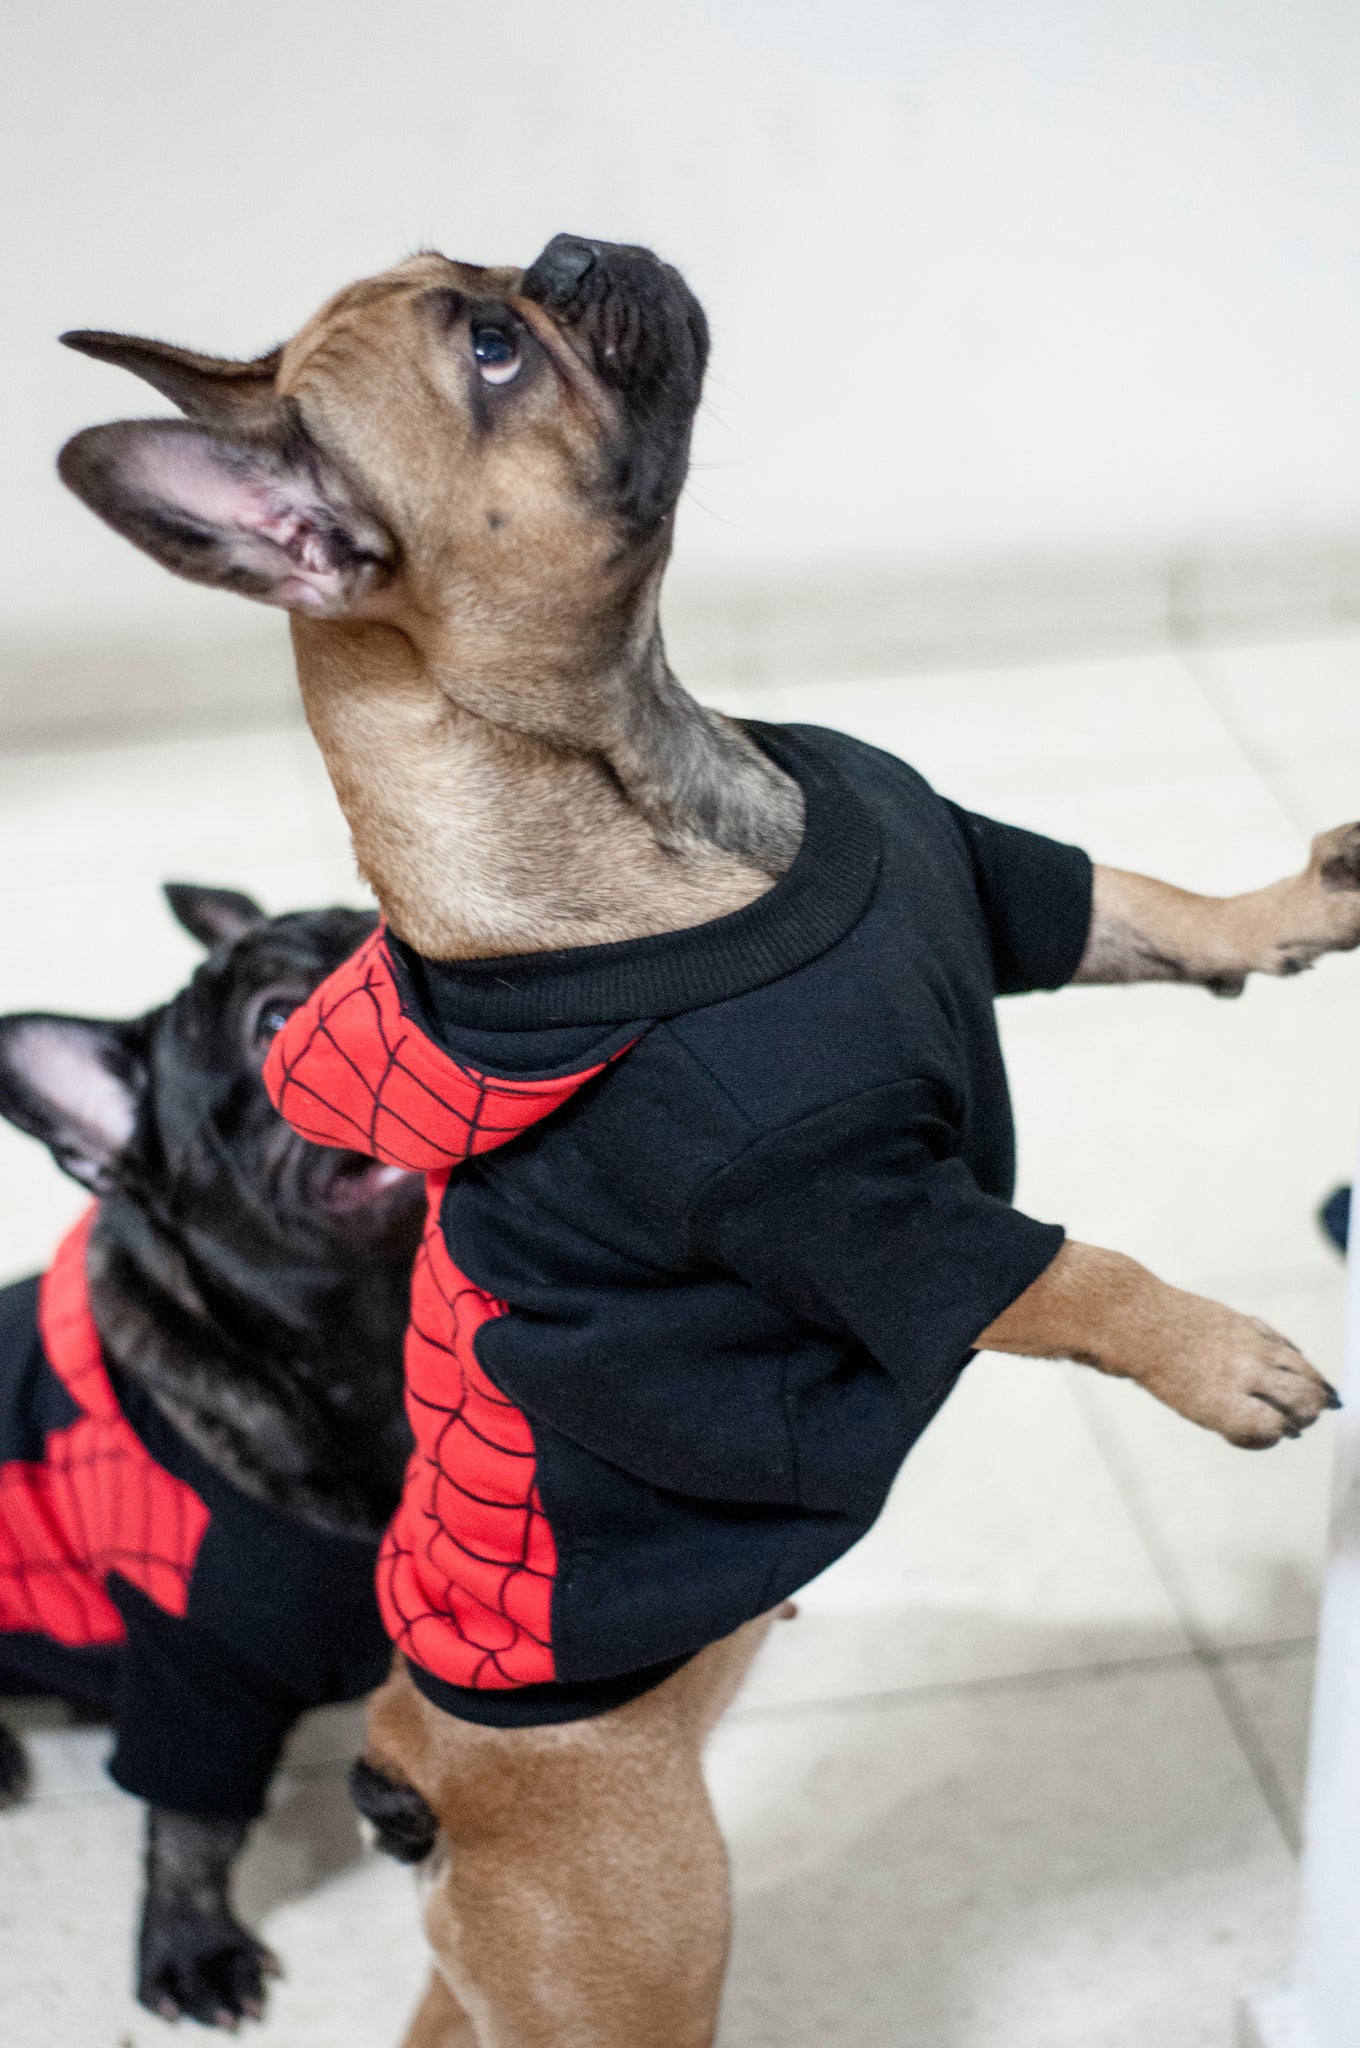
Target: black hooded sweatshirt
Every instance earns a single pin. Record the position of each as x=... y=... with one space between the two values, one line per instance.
x=715 y=1218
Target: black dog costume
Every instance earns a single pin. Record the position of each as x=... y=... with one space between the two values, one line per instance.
x=201 y=1433
x=134 y=1577
x=713 y=1219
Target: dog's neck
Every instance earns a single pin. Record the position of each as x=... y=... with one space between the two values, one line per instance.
x=643 y=813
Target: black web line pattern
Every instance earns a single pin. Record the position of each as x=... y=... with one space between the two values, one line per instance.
x=466 y=1571
x=401 y=1045
x=443 y=1468
x=96 y=1503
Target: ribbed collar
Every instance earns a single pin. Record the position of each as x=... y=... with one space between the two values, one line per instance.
x=823 y=894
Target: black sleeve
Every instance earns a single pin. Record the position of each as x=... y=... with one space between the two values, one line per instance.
x=859 y=1217
x=1036 y=894
x=199 y=1728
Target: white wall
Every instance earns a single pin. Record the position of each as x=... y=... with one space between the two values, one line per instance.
x=984 y=275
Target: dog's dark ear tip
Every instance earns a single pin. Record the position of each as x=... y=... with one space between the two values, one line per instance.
x=215 y=917
x=88 y=341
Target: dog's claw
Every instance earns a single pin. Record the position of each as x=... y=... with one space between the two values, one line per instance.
x=204 y=1967
x=1237 y=1376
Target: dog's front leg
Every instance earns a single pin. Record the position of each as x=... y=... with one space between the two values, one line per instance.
x=1226 y=1371
x=1142 y=930
x=194 y=1959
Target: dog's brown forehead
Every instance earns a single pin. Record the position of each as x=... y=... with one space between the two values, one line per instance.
x=368 y=309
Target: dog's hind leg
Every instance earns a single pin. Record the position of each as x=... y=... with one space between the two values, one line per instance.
x=404 y=1828
x=580 y=1899
x=440 y=2021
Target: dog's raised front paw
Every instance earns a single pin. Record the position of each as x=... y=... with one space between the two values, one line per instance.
x=1335 y=856
x=1234 y=1374
x=403 y=1825
x=202 y=1966
x=14 y=1771
x=1324 y=905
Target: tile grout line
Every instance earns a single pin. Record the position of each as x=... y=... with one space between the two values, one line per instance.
x=1047 y=1677
x=1212 y=1661
x=1326 y=1276
x=1050 y=1677
x=1190 y=653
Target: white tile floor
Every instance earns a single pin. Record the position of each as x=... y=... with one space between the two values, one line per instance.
x=1026 y=1771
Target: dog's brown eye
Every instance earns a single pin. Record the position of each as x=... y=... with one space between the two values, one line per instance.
x=497 y=353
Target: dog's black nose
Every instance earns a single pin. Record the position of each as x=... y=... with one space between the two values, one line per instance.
x=556 y=273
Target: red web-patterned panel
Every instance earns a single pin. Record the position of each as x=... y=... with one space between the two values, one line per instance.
x=465 y=1576
x=98 y=1502
x=349 y=1069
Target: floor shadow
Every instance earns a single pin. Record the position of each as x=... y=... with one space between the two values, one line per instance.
x=310 y=1833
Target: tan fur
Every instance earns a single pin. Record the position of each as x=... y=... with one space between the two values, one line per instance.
x=1228 y=1372
x=1143 y=930
x=479 y=839
x=479 y=744
x=520 y=772
x=580 y=1893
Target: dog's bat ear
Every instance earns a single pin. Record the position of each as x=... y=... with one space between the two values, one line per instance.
x=215 y=917
x=211 y=388
x=76 y=1085
x=267 y=516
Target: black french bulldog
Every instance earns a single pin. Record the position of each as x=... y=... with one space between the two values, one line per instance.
x=201 y=1425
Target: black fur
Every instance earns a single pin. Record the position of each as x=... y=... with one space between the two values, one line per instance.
x=648 y=341
x=254 y=1285
x=194 y=1958
x=14 y=1771
x=404 y=1825
x=236 y=1273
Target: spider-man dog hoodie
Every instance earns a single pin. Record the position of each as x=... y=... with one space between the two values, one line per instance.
x=714 y=1218
x=137 y=1577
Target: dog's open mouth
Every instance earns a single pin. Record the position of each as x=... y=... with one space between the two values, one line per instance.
x=352 y=1180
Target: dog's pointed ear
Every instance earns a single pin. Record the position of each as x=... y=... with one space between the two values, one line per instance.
x=265 y=515
x=76 y=1084
x=215 y=917
x=215 y=389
